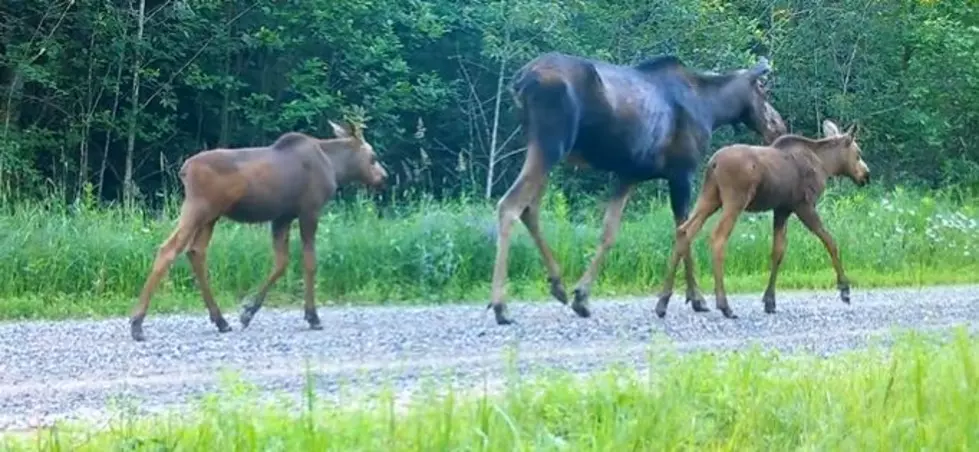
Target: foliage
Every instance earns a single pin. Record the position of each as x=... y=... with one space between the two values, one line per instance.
x=426 y=74
x=919 y=396
x=92 y=260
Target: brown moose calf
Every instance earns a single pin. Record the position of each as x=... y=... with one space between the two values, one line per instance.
x=291 y=179
x=786 y=177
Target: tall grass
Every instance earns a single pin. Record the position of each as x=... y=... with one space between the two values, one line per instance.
x=921 y=395
x=93 y=261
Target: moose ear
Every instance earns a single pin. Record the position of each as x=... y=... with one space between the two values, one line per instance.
x=761 y=68
x=830 y=129
x=340 y=131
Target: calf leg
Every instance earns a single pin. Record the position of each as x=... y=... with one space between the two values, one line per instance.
x=680 y=191
x=779 y=231
x=178 y=240
x=718 y=242
x=521 y=194
x=197 y=254
x=707 y=204
x=612 y=223
x=531 y=219
x=280 y=246
x=307 y=233
x=810 y=218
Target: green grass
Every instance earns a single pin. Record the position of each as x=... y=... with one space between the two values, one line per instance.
x=87 y=261
x=920 y=395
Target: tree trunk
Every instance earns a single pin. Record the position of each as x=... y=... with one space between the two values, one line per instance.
x=496 y=127
x=128 y=188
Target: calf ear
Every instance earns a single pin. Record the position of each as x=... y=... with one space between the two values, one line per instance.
x=830 y=129
x=340 y=131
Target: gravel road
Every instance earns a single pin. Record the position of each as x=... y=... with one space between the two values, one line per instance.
x=73 y=369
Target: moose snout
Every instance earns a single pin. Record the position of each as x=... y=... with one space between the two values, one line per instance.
x=380 y=176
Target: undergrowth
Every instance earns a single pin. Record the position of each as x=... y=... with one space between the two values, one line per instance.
x=82 y=260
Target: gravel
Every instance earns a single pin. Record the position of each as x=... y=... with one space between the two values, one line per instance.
x=77 y=369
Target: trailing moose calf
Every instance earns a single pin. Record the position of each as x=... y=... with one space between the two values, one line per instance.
x=643 y=122
x=291 y=179
x=786 y=177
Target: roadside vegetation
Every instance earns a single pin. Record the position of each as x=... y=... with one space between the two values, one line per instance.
x=93 y=261
x=920 y=395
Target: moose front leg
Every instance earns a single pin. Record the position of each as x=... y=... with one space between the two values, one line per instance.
x=681 y=189
x=810 y=218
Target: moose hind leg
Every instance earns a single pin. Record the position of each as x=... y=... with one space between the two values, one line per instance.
x=197 y=254
x=706 y=205
x=167 y=252
x=718 y=242
x=610 y=229
x=280 y=247
x=520 y=195
x=531 y=219
x=681 y=189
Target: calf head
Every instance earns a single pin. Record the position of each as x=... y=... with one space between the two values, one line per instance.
x=361 y=163
x=848 y=156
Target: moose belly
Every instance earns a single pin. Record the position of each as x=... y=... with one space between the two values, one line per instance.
x=774 y=193
x=252 y=210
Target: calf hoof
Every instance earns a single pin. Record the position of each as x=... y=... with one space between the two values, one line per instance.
x=660 y=310
x=769 y=304
x=845 y=294
x=557 y=290
x=580 y=303
x=314 y=320
x=222 y=325
x=248 y=310
x=499 y=312
x=698 y=304
x=726 y=310
x=136 y=329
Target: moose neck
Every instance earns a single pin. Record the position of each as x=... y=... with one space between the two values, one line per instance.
x=721 y=105
x=340 y=152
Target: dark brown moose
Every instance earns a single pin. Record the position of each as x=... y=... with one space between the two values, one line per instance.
x=643 y=122
x=291 y=179
x=787 y=177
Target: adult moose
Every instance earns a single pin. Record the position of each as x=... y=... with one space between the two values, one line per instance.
x=642 y=122
x=289 y=180
x=786 y=177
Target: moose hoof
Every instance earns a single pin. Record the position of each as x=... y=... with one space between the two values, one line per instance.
x=769 y=301
x=136 y=329
x=557 y=290
x=247 y=314
x=698 y=304
x=845 y=294
x=499 y=312
x=580 y=304
x=660 y=310
x=222 y=325
x=726 y=310
x=314 y=320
